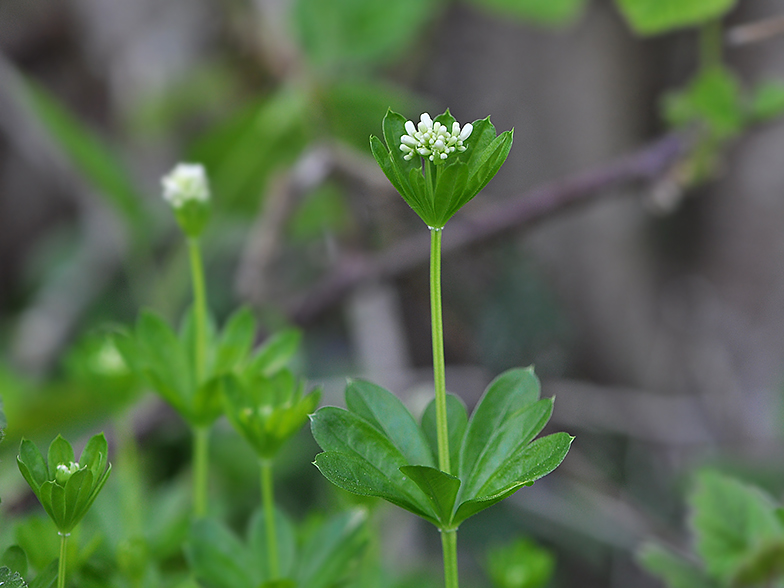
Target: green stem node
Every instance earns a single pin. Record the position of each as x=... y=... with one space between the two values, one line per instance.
x=439 y=370
x=268 y=501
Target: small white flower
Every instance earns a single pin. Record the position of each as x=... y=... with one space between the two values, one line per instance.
x=433 y=140
x=186 y=182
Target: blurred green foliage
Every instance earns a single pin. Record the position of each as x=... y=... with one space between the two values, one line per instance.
x=650 y=17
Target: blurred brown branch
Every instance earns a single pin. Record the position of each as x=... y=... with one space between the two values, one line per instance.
x=648 y=164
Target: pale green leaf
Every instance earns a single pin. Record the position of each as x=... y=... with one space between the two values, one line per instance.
x=676 y=571
x=650 y=17
x=543 y=12
x=731 y=520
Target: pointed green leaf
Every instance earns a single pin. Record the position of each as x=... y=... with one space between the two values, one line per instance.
x=54 y=494
x=95 y=454
x=217 y=557
x=537 y=460
x=731 y=520
x=487 y=163
x=508 y=393
x=78 y=489
x=286 y=544
x=650 y=17
x=470 y=507
x=439 y=487
x=388 y=414
x=327 y=554
x=457 y=421
x=168 y=367
x=508 y=441
x=276 y=352
x=338 y=430
x=676 y=571
x=450 y=193
x=60 y=452
x=354 y=474
x=32 y=465
x=11 y=579
x=235 y=342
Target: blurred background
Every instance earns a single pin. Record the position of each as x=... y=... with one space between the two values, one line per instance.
x=630 y=248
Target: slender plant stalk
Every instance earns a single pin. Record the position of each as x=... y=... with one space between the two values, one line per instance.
x=439 y=371
x=61 y=564
x=268 y=501
x=201 y=457
x=448 y=537
x=199 y=308
x=200 y=434
x=449 y=547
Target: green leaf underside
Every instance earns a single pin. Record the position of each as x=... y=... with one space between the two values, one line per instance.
x=388 y=414
x=508 y=393
x=676 y=571
x=338 y=430
x=457 y=421
x=440 y=488
x=358 y=476
x=650 y=17
x=735 y=526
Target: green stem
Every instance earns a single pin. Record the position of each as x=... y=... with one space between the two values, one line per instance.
x=449 y=547
x=201 y=457
x=711 y=44
x=268 y=501
x=439 y=370
x=199 y=309
x=61 y=564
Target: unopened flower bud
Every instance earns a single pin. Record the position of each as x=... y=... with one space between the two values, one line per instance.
x=63 y=472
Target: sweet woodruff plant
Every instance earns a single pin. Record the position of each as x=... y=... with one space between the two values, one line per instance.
x=66 y=488
x=446 y=467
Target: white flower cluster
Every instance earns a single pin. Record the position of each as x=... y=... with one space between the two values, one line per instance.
x=186 y=182
x=433 y=140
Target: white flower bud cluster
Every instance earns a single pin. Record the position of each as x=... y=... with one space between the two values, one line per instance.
x=64 y=471
x=186 y=182
x=433 y=140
